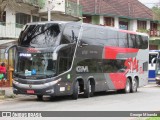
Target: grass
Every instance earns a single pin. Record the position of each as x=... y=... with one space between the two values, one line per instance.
x=153 y=118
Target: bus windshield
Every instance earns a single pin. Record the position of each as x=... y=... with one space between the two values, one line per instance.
x=40 y=36
x=36 y=64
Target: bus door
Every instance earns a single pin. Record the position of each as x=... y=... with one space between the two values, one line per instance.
x=152 y=66
x=10 y=56
x=157 y=78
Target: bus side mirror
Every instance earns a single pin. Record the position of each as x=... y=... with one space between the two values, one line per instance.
x=7 y=50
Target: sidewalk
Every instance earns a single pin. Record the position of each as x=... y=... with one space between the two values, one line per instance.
x=8 y=93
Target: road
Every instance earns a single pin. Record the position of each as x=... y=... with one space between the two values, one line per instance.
x=146 y=99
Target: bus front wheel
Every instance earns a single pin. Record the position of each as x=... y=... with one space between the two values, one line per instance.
x=75 y=91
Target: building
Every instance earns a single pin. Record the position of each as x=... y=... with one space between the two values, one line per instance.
x=16 y=13
x=124 y=14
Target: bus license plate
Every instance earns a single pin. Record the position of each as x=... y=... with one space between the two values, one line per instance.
x=30 y=91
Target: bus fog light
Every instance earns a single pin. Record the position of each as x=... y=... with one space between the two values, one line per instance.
x=50 y=91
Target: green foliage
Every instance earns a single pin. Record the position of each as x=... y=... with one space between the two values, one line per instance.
x=143 y=30
x=153 y=118
x=156 y=11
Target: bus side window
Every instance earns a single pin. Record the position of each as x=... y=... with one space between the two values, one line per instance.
x=133 y=39
x=131 y=42
x=139 y=41
x=123 y=40
x=90 y=63
x=65 y=59
x=70 y=34
x=145 y=42
x=89 y=35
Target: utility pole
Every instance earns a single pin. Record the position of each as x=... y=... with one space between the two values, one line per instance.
x=49 y=9
x=77 y=7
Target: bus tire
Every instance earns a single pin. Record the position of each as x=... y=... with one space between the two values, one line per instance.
x=89 y=90
x=39 y=97
x=75 y=91
x=128 y=86
x=134 y=85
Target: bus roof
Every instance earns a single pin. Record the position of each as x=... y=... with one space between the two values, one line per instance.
x=87 y=24
x=116 y=29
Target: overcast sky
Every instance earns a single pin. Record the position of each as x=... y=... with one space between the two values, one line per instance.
x=150 y=3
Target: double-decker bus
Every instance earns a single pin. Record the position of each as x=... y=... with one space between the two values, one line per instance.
x=69 y=58
x=153 y=54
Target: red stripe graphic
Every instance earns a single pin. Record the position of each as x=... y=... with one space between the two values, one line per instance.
x=118 y=80
x=111 y=52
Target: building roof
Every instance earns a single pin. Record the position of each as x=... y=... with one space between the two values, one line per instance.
x=122 y=8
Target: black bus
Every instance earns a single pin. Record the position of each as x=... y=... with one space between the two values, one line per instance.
x=68 y=58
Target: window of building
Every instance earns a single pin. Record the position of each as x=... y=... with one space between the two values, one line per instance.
x=87 y=19
x=123 y=25
x=141 y=25
x=22 y=18
x=44 y=19
x=109 y=21
x=154 y=26
x=35 y=19
x=3 y=18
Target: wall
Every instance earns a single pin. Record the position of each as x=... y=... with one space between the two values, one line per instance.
x=96 y=20
x=10 y=22
x=57 y=5
x=133 y=25
x=9 y=29
x=101 y=21
x=116 y=22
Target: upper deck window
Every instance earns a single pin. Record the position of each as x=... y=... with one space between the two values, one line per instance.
x=40 y=35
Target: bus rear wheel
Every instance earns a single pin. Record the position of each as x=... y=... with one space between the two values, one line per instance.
x=128 y=86
x=134 y=85
x=89 y=90
x=75 y=91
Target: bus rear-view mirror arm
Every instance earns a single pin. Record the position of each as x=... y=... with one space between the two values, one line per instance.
x=60 y=47
x=152 y=61
x=7 y=50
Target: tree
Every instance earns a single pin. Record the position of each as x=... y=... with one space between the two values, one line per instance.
x=156 y=11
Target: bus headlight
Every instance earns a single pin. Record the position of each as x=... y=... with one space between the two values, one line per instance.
x=157 y=78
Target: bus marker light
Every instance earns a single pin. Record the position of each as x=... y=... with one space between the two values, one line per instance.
x=50 y=91
x=68 y=76
x=62 y=89
x=68 y=88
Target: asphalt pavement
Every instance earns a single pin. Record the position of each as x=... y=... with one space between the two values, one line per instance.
x=10 y=95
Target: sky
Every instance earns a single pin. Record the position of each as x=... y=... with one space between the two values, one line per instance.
x=150 y=3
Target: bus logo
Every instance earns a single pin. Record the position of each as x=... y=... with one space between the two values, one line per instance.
x=132 y=64
x=82 y=69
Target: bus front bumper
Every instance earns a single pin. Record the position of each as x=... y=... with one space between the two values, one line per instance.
x=158 y=80
x=35 y=89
